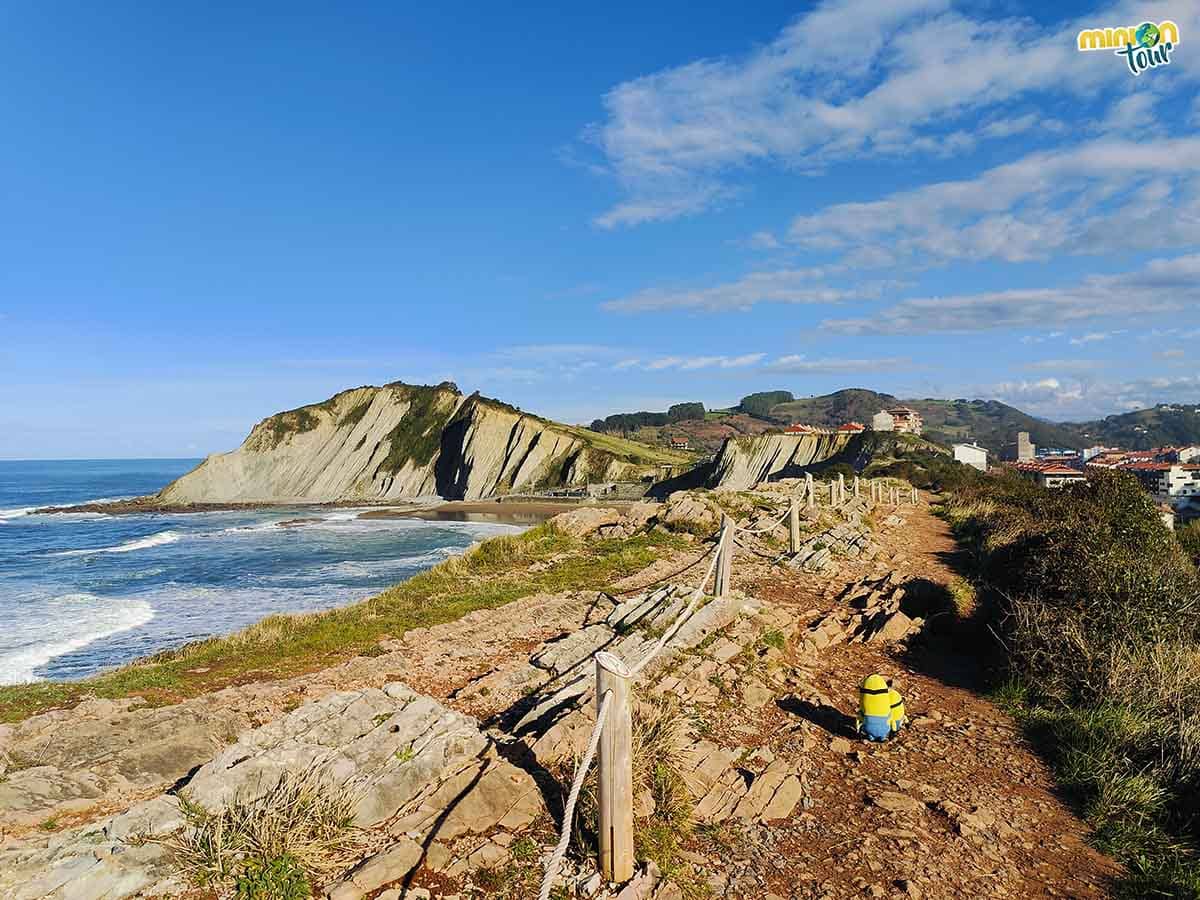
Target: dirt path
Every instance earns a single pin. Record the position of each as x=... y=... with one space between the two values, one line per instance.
x=959 y=806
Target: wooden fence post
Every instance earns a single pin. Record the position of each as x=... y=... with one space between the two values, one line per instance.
x=856 y=487
x=724 y=557
x=615 y=772
x=794 y=526
x=812 y=494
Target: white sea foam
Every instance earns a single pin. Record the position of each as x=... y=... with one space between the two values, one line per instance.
x=15 y=513
x=154 y=540
x=74 y=621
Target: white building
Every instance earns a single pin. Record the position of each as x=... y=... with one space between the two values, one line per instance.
x=1181 y=482
x=971 y=455
x=883 y=421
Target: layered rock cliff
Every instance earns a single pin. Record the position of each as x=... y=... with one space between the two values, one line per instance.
x=745 y=461
x=403 y=441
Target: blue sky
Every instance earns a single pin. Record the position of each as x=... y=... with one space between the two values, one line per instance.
x=209 y=215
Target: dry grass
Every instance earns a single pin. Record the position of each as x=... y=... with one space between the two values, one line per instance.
x=302 y=818
x=663 y=805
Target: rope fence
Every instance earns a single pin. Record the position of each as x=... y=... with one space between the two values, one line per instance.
x=614 y=682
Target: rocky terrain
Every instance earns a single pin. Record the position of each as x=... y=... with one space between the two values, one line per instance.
x=400 y=441
x=746 y=461
x=451 y=745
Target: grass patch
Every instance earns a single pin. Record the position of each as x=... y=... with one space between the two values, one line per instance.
x=774 y=638
x=276 y=845
x=493 y=574
x=417 y=437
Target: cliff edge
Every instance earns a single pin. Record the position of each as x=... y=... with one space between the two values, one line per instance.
x=404 y=441
x=745 y=461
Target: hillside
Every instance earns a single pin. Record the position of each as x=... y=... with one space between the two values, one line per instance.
x=989 y=422
x=404 y=441
x=1162 y=425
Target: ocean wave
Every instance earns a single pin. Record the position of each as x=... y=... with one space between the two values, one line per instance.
x=246 y=529
x=16 y=513
x=154 y=540
x=74 y=620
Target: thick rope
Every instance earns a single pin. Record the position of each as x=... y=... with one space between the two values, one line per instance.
x=764 y=529
x=699 y=559
x=564 y=839
x=569 y=810
x=670 y=633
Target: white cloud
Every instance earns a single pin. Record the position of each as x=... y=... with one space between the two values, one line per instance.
x=914 y=74
x=782 y=286
x=1041 y=338
x=665 y=362
x=1163 y=285
x=1065 y=365
x=1076 y=400
x=798 y=363
x=691 y=363
x=1105 y=195
x=1091 y=337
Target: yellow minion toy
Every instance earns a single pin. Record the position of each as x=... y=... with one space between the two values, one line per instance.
x=874 y=709
x=897 y=718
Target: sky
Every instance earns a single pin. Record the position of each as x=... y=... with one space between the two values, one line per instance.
x=214 y=213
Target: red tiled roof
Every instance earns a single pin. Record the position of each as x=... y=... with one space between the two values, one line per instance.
x=1045 y=468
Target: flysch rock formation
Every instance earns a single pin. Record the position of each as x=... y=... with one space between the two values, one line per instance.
x=744 y=462
x=400 y=441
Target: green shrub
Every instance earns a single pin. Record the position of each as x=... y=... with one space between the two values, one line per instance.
x=1189 y=539
x=281 y=878
x=760 y=404
x=1099 y=609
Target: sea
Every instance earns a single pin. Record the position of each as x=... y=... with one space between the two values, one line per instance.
x=83 y=592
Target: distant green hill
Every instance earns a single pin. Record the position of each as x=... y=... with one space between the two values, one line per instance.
x=849 y=405
x=1162 y=425
x=990 y=423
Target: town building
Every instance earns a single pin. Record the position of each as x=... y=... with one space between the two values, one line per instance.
x=883 y=421
x=852 y=427
x=971 y=455
x=1048 y=474
x=905 y=420
x=1167 y=481
x=1180 y=454
x=1057 y=454
x=797 y=428
x=680 y=443
x=1020 y=450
